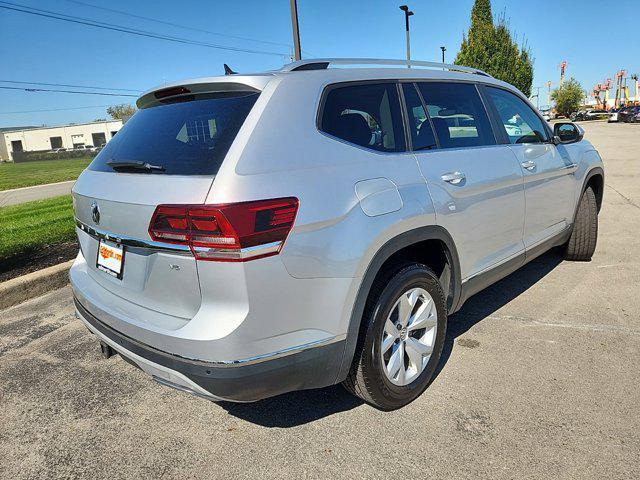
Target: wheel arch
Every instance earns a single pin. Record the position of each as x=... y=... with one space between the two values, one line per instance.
x=595 y=179
x=393 y=249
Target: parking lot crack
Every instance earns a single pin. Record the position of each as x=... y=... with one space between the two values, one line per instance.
x=627 y=199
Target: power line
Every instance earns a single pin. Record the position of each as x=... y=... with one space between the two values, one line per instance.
x=119 y=28
x=194 y=29
x=71 y=86
x=67 y=91
x=55 y=109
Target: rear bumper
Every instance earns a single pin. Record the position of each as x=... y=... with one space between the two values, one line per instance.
x=246 y=381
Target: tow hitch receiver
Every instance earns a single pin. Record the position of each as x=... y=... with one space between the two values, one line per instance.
x=106 y=350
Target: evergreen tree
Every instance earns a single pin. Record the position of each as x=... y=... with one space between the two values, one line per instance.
x=490 y=47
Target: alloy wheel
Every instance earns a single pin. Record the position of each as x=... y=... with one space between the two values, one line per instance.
x=409 y=336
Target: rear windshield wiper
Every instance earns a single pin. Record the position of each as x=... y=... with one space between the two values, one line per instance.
x=128 y=165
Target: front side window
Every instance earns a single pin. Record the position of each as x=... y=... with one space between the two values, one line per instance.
x=519 y=121
x=422 y=136
x=366 y=115
x=457 y=114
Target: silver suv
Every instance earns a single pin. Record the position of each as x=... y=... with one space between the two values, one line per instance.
x=248 y=235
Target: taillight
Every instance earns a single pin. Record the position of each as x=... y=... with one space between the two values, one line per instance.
x=234 y=232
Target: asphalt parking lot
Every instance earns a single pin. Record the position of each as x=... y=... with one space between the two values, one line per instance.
x=540 y=379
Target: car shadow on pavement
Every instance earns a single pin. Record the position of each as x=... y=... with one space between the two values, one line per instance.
x=486 y=302
x=295 y=408
x=298 y=408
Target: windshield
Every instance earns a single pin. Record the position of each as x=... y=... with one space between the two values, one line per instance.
x=185 y=138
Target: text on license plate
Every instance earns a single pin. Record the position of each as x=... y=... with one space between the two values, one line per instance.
x=110 y=258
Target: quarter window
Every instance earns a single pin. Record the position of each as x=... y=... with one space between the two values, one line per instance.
x=457 y=113
x=422 y=136
x=367 y=115
x=519 y=121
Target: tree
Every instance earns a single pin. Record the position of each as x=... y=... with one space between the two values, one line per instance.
x=490 y=47
x=119 y=112
x=568 y=97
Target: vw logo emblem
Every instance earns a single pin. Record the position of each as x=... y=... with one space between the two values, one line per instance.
x=95 y=213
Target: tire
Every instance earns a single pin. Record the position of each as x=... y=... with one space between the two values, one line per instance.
x=584 y=236
x=368 y=377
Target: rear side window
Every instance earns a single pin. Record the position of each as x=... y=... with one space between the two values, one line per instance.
x=457 y=113
x=185 y=138
x=422 y=137
x=519 y=121
x=367 y=115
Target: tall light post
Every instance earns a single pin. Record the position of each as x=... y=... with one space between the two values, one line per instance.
x=444 y=49
x=296 y=32
x=407 y=14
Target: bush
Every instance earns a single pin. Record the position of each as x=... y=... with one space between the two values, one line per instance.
x=37 y=156
x=568 y=97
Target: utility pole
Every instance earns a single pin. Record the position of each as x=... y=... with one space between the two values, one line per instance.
x=296 y=31
x=549 y=93
x=444 y=49
x=407 y=14
x=537 y=95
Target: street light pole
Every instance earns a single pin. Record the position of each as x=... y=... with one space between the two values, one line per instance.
x=444 y=49
x=407 y=14
x=296 y=32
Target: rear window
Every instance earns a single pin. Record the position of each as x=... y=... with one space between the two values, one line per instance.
x=367 y=115
x=185 y=138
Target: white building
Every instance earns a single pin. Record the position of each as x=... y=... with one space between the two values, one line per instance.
x=49 y=138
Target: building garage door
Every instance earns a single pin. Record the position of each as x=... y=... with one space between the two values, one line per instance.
x=56 y=142
x=98 y=139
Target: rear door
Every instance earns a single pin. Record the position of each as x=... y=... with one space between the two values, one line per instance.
x=165 y=154
x=475 y=184
x=548 y=171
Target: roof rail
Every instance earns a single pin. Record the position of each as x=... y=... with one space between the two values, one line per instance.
x=323 y=63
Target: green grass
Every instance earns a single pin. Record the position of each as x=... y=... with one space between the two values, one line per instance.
x=33 y=224
x=15 y=175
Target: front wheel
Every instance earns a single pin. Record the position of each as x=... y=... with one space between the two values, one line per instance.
x=584 y=236
x=401 y=338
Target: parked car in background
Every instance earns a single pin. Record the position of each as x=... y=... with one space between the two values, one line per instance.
x=629 y=114
x=597 y=114
x=613 y=115
x=592 y=114
x=59 y=150
x=86 y=148
x=245 y=236
x=547 y=114
x=578 y=116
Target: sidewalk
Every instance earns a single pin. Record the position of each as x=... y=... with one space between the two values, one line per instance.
x=38 y=192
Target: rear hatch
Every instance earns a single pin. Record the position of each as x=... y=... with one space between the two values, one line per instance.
x=168 y=153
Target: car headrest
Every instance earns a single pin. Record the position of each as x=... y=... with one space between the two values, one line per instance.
x=442 y=130
x=353 y=128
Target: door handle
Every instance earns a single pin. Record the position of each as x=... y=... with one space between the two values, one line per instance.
x=454 y=178
x=529 y=164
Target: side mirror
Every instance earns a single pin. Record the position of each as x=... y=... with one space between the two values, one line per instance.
x=567 y=132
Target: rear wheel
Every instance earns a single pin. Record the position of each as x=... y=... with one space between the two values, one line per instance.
x=401 y=338
x=582 y=242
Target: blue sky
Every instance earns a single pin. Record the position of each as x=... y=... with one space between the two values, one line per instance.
x=37 y=49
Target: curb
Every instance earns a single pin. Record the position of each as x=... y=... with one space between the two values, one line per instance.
x=20 y=289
